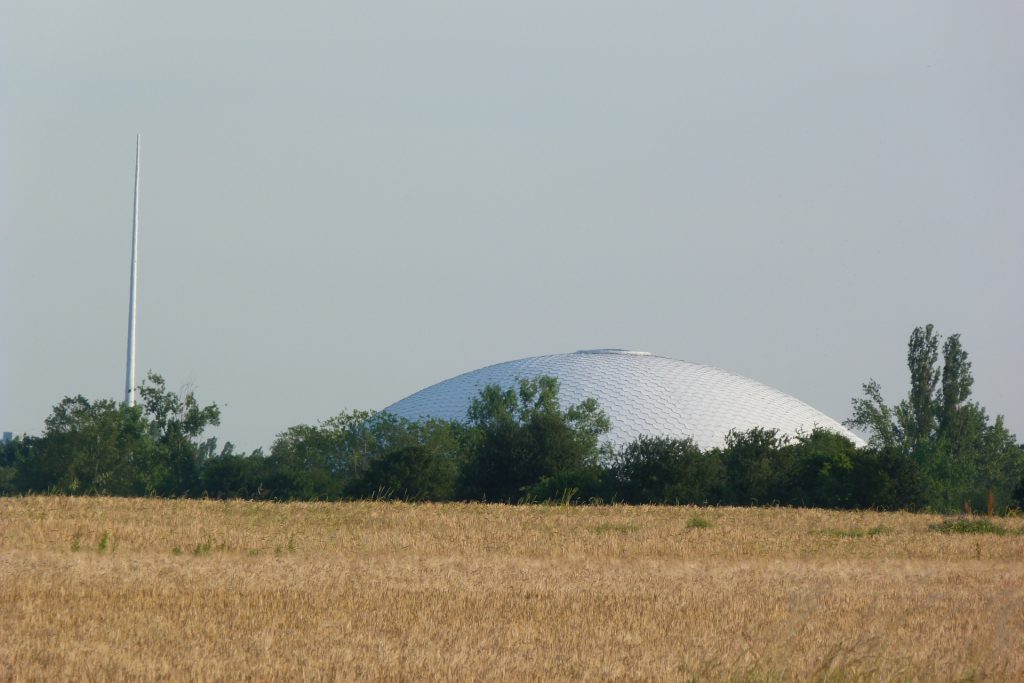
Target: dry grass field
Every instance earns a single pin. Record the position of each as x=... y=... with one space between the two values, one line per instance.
x=100 y=589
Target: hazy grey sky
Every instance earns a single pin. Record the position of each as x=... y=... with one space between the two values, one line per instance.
x=345 y=202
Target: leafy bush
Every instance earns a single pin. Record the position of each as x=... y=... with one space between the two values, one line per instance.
x=235 y=476
x=664 y=470
x=410 y=473
x=333 y=459
x=759 y=468
x=589 y=483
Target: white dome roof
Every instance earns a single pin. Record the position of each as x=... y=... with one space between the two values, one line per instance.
x=641 y=394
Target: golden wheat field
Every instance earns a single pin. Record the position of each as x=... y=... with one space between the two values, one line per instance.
x=101 y=589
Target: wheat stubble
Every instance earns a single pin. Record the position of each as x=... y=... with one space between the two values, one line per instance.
x=101 y=588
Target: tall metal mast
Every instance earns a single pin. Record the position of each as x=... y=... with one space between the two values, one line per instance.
x=129 y=380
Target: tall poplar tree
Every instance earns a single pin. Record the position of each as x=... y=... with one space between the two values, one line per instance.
x=961 y=456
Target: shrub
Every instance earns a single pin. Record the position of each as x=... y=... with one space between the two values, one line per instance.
x=665 y=470
x=583 y=484
x=759 y=468
x=409 y=473
x=234 y=476
x=333 y=459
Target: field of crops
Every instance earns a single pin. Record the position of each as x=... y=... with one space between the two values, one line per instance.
x=101 y=588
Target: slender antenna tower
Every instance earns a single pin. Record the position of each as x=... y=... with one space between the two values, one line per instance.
x=129 y=379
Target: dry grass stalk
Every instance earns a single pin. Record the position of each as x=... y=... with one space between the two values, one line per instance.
x=236 y=590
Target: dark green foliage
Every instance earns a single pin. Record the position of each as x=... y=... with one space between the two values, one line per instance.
x=1000 y=467
x=957 y=455
x=821 y=465
x=9 y=458
x=309 y=462
x=917 y=414
x=235 y=476
x=105 y=447
x=1017 y=500
x=8 y=480
x=825 y=469
x=820 y=469
x=828 y=470
x=935 y=449
x=587 y=483
x=759 y=468
x=175 y=422
x=13 y=458
x=664 y=470
x=520 y=436
x=414 y=472
x=954 y=420
x=885 y=479
x=88 y=448
x=872 y=415
x=334 y=459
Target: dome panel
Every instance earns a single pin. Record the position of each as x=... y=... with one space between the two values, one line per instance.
x=640 y=392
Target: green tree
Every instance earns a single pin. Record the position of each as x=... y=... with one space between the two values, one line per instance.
x=88 y=447
x=999 y=466
x=917 y=414
x=824 y=470
x=874 y=416
x=107 y=447
x=331 y=459
x=520 y=436
x=664 y=470
x=176 y=423
x=960 y=455
x=11 y=455
x=414 y=472
x=760 y=470
x=884 y=478
x=309 y=462
x=231 y=475
x=956 y=389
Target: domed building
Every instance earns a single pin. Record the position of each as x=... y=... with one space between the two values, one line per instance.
x=641 y=393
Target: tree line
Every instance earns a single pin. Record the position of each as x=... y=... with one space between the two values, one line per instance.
x=936 y=450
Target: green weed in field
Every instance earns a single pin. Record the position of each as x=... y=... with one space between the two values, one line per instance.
x=605 y=527
x=698 y=522
x=964 y=525
x=856 y=533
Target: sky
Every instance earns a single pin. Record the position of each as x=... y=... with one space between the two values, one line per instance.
x=343 y=203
